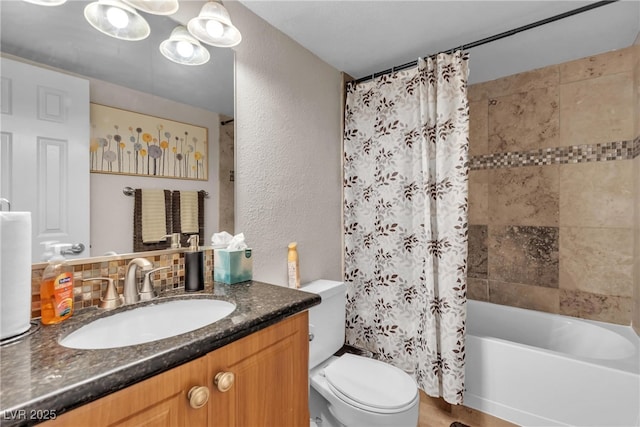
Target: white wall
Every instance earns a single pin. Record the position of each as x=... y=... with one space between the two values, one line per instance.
x=288 y=152
x=111 y=210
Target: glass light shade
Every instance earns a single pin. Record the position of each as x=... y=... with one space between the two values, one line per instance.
x=155 y=7
x=46 y=2
x=213 y=26
x=116 y=19
x=182 y=48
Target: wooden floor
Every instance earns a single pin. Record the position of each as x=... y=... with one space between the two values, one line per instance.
x=438 y=413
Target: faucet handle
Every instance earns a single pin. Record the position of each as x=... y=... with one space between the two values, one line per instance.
x=147 y=292
x=111 y=298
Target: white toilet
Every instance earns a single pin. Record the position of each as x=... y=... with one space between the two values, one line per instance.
x=350 y=390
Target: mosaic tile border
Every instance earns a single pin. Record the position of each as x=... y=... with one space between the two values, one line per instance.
x=87 y=293
x=617 y=150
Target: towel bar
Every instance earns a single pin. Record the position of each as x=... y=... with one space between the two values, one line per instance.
x=128 y=191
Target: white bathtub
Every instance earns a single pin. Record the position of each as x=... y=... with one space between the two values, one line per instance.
x=539 y=369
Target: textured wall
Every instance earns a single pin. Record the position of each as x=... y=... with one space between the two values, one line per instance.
x=288 y=152
x=551 y=188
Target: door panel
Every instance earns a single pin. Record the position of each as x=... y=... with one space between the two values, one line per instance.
x=45 y=152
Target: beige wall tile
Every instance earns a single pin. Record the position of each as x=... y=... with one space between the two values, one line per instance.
x=597 y=194
x=636 y=165
x=636 y=283
x=597 y=260
x=477 y=289
x=526 y=255
x=478 y=127
x=637 y=87
x=597 y=110
x=636 y=173
x=478 y=251
x=613 y=62
x=595 y=306
x=523 y=82
x=524 y=121
x=636 y=263
x=636 y=76
x=478 y=196
x=226 y=197
x=524 y=196
x=524 y=296
x=478 y=91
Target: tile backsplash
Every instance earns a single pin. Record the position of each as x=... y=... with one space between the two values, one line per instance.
x=551 y=188
x=88 y=293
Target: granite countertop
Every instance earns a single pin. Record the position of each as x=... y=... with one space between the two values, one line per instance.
x=40 y=379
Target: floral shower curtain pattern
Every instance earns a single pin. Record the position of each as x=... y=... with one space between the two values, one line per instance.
x=405 y=217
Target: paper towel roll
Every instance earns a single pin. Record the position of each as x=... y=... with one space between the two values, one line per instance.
x=15 y=273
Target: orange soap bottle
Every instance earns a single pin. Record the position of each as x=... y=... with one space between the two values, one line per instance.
x=56 y=289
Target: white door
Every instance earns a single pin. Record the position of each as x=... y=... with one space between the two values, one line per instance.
x=44 y=154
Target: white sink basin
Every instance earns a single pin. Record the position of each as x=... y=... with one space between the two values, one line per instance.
x=148 y=323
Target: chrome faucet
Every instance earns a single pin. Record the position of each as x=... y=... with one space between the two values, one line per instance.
x=131 y=292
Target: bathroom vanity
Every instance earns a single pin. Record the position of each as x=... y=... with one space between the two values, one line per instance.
x=250 y=368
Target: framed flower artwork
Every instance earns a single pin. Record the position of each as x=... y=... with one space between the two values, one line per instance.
x=129 y=143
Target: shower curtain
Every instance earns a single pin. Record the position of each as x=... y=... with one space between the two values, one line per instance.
x=405 y=217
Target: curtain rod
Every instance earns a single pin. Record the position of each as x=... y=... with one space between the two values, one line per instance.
x=495 y=37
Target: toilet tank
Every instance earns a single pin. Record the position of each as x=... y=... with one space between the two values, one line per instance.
x=326 y=320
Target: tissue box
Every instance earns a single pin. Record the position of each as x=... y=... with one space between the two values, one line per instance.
x=232 y=266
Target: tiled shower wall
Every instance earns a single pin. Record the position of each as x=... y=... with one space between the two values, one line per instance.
x=635 y=320
x=227 y=166
x=551 y=188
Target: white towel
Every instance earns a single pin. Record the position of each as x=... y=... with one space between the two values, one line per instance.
x=189 y=212
x=154 y=216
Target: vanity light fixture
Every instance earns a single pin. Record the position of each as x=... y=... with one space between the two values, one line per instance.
x=155 y=7
x=46 y=2
x=182 y=48
x=116 y=19
x=213 y=26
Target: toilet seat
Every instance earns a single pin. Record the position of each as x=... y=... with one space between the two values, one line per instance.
x=371 y=385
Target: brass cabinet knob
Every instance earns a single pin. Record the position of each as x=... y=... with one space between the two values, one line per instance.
x=224 y=380
x=198 y=396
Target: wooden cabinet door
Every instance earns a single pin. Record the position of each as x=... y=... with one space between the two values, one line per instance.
x=160 y=401
x=271 y=378
x=270 y=387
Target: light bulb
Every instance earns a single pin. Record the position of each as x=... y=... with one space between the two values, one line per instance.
x=184 y=49
x=117 y=17
x=215 y=28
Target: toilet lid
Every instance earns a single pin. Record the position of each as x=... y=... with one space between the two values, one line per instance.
x=370 y=384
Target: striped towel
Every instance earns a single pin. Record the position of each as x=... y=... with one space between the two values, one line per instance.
x=189 y=212
x=154 y=216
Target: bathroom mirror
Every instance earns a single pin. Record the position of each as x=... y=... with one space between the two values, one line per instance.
x=60 y=37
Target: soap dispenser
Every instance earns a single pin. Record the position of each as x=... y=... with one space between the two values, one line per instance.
x=56 y=288
x=193 y=266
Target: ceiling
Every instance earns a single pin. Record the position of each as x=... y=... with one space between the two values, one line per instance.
x=364 y=37
x=358 y=37
x=60 y=37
